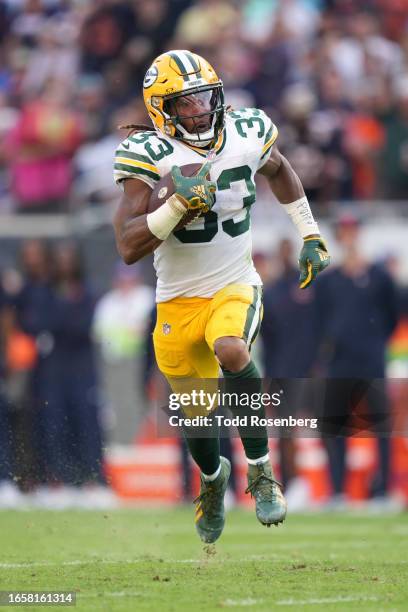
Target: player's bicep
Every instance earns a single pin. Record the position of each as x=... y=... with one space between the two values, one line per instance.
x=272 y=164
x=134 y=201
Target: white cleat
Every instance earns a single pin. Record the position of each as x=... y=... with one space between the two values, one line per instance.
x=11 y=496
x=386 y=504
x=55 y=498
x=97 y=497
x=298 y=496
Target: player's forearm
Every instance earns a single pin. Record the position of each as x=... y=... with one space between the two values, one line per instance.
x=137 y=236
x=288 y=189
x=134 y=240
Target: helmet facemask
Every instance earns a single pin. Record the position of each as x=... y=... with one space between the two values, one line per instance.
x=176 y=111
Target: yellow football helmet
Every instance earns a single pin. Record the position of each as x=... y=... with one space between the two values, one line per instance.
x=177 y=74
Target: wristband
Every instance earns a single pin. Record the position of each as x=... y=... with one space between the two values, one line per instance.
x=301 y=215
x=162 y=221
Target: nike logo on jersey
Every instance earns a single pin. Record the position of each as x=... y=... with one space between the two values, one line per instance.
x=126 y=146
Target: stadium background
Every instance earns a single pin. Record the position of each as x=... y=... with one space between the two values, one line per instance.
x=334 y=78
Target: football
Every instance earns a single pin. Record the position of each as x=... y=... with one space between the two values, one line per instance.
x=165 y=188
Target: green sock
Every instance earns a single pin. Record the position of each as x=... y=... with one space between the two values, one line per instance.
x=204 y=451
x=248 y=380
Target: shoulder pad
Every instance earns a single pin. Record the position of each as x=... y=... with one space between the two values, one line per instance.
x=133 y=161
x=255 y=123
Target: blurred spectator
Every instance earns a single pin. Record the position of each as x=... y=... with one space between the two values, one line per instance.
x=41 y=146
x=153 y=24
x=31 y=301
x=361 y=48
x=56 y=309
x=104 y=34
x=296 y=17
x=356 y=313
x=274 y=67
x=287 y=326
x=363 y=140
x=93 y=159
x=54 y=58
x=120 y=324
x=312 y=138
x=29 y=23
x=394 y=159
x=74 y=388
x=4 y=21
x=206 y=23
x=10 y=496
x=91 y=104
x=20 y=360
x=286 y=308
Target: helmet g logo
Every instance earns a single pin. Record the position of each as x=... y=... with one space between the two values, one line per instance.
x=150 y=77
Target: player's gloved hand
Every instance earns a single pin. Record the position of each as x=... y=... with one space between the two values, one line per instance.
x=314 y=258
x=196 y=192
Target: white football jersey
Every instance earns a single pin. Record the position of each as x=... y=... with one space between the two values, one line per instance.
x=214 y=250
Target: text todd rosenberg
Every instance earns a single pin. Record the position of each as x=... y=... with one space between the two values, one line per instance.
x=251 y=420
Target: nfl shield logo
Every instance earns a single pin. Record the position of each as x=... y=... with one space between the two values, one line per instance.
x=166 y=329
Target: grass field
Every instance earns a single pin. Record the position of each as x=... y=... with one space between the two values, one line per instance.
x=152 y=560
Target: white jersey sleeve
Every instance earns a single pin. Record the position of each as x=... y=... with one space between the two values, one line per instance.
x=271 y=134
x=132 y=160
x=254 y=125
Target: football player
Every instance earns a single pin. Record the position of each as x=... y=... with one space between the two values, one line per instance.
x=209 y=294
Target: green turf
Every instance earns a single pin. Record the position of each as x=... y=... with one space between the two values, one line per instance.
x=152 y=560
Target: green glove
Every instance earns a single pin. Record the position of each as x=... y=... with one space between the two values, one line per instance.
x=314 y=258
x=195 y=191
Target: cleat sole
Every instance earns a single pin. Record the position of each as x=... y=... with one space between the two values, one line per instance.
x=269 y=524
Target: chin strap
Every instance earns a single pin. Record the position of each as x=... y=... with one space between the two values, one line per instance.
x=195 y=142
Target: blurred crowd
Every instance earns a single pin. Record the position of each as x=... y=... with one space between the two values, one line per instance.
x=333 y=75
x=78 y=372
x=71 y=368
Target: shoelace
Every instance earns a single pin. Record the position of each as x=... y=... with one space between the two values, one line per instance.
x=265 y=487
x=207 y=498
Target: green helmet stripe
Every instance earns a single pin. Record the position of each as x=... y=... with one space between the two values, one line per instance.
x=180 y=64
x=194 y=64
